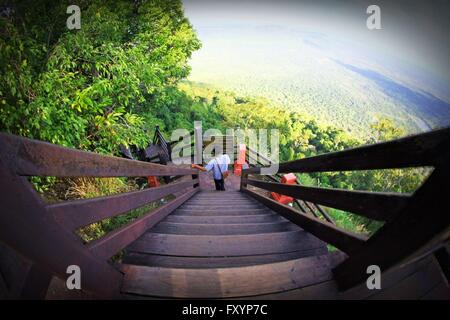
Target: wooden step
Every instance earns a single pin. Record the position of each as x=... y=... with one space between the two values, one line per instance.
x=225 y=245
x=225 y=199
x=222 y=202
x=221 y=195
x=223 y=212
x=229 y=206
x=226 y=282
x=153 y=260
x=223 y=229
x=242 y=219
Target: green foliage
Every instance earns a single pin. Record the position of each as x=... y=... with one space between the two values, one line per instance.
x=121 y=74
x=90 y=88
x=97 y=230
x=85 y=188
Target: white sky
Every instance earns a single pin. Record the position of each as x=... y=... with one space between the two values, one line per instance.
x=417 y=32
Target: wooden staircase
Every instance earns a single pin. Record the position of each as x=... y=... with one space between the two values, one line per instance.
x=223 y=244
x=235 y=244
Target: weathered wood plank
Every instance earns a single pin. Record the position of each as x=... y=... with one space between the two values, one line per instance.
x=78 y=213
x=214 y=195
x=37 y=158
x=389 y=278
x=244 y=219
x=344 y=240
x=226 y=282
x=13 y=270
x=219 y=245
x=414 y=286
x=326 y=290
x=118 y=239
x=442 y=257
x=222 y=202
x=414 y=151
x=223 y=229
x=372 y=205
x=237 y=207
x=223 y=212
x=153 y=260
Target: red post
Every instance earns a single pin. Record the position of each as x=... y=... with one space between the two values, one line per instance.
x=289 y=178
x=240 y=160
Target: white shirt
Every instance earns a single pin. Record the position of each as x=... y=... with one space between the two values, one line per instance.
x=223 y=161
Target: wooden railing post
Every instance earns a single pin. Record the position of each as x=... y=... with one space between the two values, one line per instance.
x=195 y=176
x=244 y=177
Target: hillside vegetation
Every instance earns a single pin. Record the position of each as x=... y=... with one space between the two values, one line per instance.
x=329 y=78
x=112 y=81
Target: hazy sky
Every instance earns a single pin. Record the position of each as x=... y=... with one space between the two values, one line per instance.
x=417 y=32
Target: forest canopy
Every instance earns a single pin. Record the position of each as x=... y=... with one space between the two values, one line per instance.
x=94 y=88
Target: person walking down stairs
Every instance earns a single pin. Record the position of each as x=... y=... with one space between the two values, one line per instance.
x=219 y=165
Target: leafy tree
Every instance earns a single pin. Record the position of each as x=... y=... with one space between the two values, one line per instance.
x=89 y=88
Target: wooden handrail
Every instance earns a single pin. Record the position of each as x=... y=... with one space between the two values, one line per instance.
x=43 y=233
x=68 y=213
x=116 y=240
x=414 y=151
x=38 y=158
x=348 y=242
x=413 y=220
x=373 y=205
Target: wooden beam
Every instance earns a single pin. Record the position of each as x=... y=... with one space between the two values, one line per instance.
x=225 y=245
x=78 y=213
x=118 y=239
x=296 y=201
x=37 y=158
x=344 y=240
x=313 y=212
x=210 y=283
x=372 y=205
x=414 y=151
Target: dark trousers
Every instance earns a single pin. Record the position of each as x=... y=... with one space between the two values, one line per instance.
x=220 y=185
